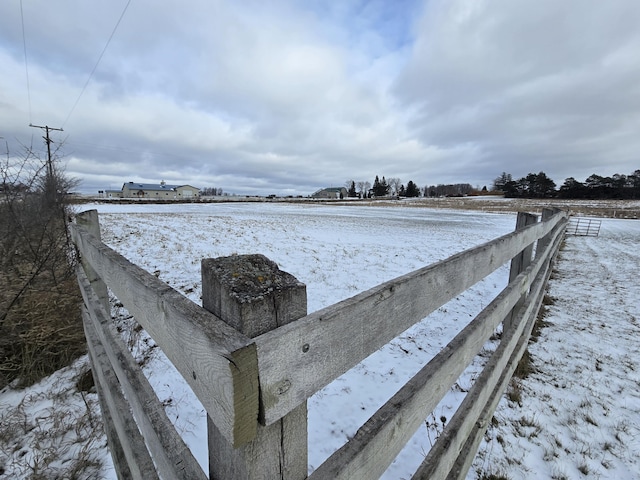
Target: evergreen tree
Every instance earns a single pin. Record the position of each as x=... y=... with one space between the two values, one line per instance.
x=352 y=190
x=571 y=188
x=412 y=190
x=384 y=187
x=376 y=185
x=532 y=186
x=502 y=181
x=380 y=188
x=544 y=186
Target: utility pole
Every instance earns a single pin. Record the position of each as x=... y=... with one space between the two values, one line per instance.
x=50 y=180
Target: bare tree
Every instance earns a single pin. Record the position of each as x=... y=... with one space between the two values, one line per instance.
x=363 y=188
x=394 y=184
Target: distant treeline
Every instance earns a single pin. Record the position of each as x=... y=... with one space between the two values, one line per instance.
x=211 y=192
x=534 y=185
x=539 y=185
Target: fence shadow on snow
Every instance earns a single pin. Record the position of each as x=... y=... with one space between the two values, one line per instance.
x=253 y=356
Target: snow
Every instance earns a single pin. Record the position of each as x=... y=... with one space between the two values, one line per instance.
x=51 y=426
x=580 y=410
x=584 y=400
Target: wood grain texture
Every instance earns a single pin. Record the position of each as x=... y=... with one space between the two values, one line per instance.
x=474 y=413
x=518 y=263
x=300 y=358
x=218 y=363
x=89 y=221
x=138 y=461
x=171 y=455
x=466 y=456
x=377 y=443
x=251 y=293
x=123 y=472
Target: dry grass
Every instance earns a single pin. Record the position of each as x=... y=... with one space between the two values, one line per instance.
x=595 y=208
x=40 y=325
x=63 y=440
x=42 y=333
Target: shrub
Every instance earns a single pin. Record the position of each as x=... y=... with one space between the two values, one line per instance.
x=40 y=326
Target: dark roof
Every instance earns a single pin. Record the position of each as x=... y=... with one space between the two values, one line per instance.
x=151 y=186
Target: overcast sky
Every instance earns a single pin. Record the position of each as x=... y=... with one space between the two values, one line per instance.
x=286 y=97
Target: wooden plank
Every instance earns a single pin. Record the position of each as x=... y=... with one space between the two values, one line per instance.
x=465 y=459
x=218 y=363
x=300 y=358
x=377 y=443
x=138 y=460
x=172 y=457
x=123 y=472
x=474 y=411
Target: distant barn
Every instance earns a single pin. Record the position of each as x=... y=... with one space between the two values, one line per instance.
x=334 y=192
x=160 y=191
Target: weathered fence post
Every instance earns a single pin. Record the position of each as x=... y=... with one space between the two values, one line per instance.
x=519 y=263
x=89 y=221
x=250 y=293
x=547 y=213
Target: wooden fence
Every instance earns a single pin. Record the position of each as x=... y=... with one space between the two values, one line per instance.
x=253 y=357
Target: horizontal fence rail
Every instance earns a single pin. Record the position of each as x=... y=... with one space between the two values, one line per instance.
x=253 y=357
x=370 y=320
x=167 y=447
x=379 y=441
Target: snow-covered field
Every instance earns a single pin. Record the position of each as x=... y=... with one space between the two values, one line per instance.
x=580 y=413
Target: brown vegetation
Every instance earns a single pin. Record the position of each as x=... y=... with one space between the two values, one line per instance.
x=40 y=327
x=628 y=209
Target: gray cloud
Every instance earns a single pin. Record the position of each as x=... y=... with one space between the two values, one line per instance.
x=535 y=86
x=293 y=96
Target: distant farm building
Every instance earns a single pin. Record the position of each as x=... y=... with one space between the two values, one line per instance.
x=333 y=192
x=152 y=191
x=111 y=193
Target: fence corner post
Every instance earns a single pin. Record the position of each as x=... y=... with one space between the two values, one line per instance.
x=250 y=293
x=519 y=263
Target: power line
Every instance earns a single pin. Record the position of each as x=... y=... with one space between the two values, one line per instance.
x=26 y=63
x=96 y=65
